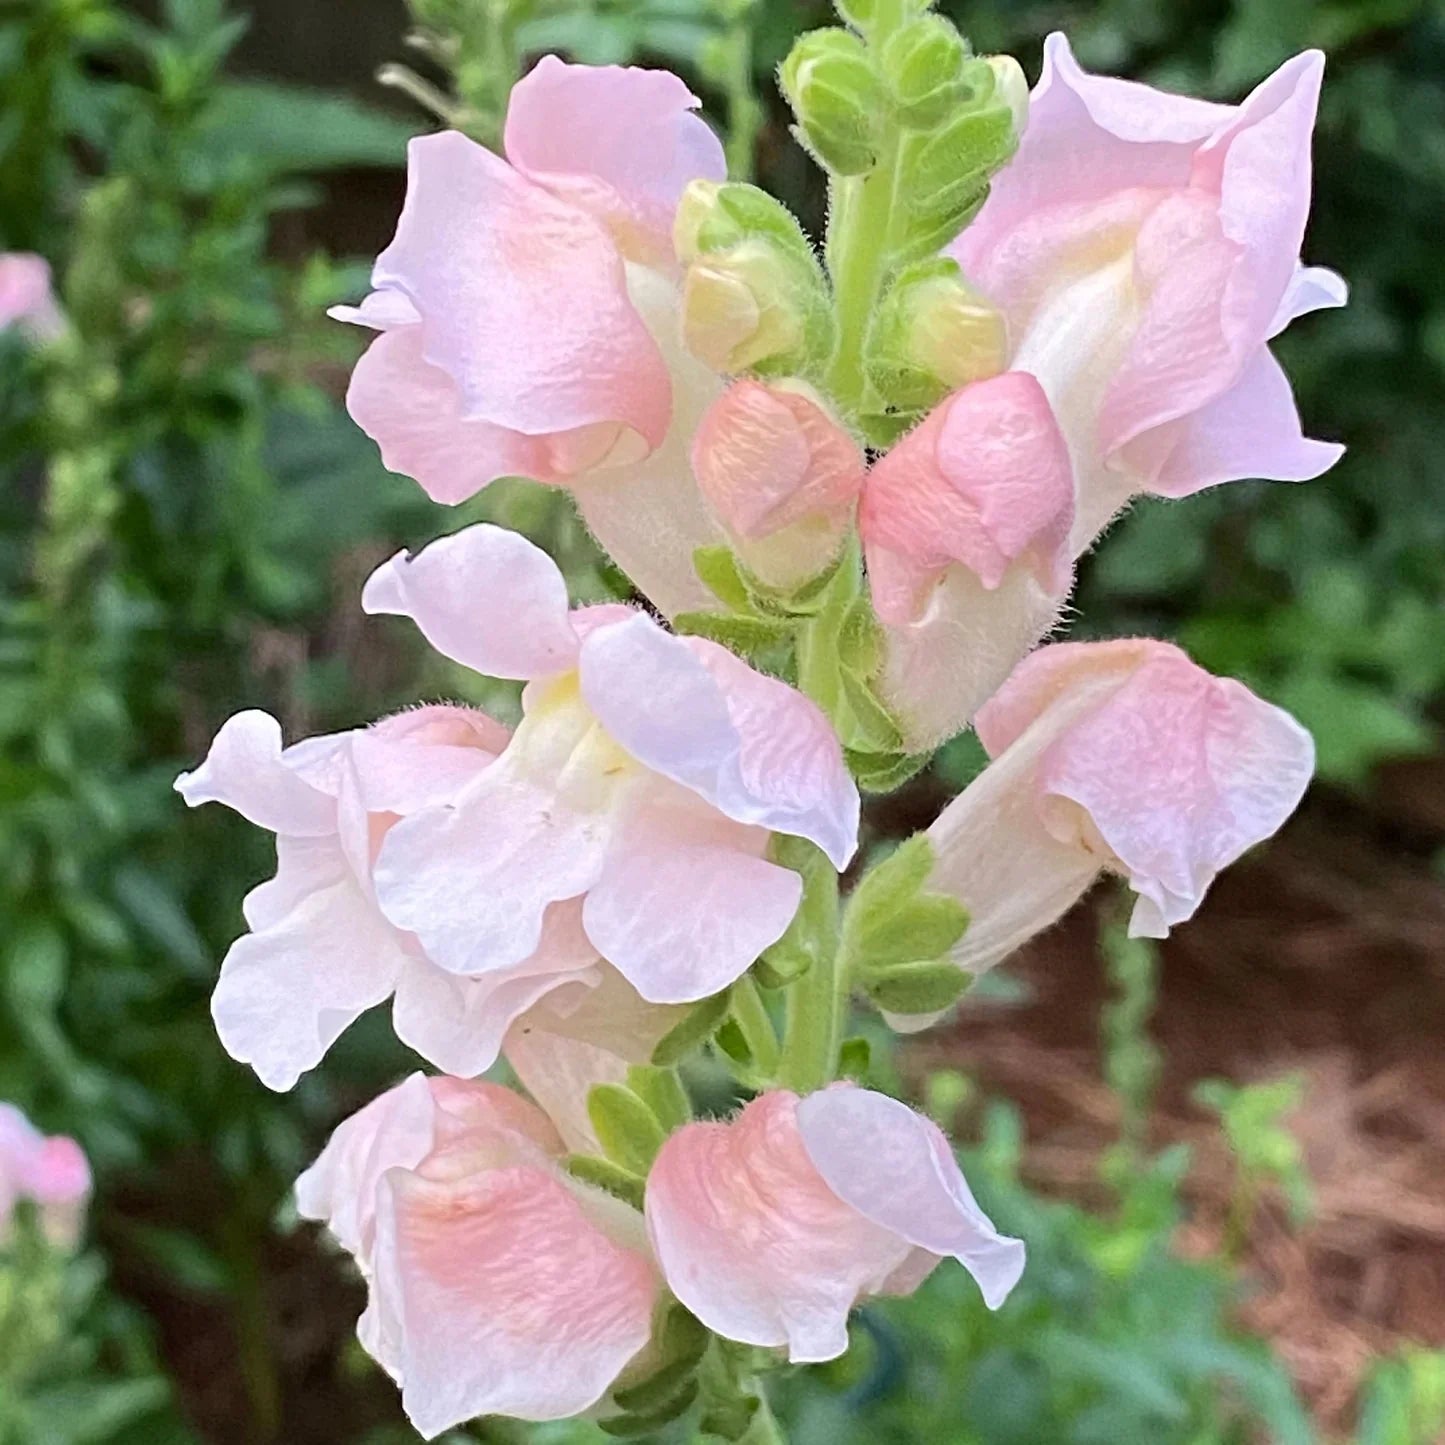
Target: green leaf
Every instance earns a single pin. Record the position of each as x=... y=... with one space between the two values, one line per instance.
x=884 y=772
x=661 y=1090
x=886 y=889
x=926 y=927
x=630 y=1426
x=627 y=1129
x=605 y=1175
x=720 y=572
x=745 y=635
x=917 y=988
x=693 y=1031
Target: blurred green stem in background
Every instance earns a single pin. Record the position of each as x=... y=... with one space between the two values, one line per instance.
x=728 y=62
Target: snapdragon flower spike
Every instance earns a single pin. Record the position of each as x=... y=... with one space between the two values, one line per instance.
x=1123 y=757
x=965 y=527
x=1144 y=249
x=320 y=952
x=498 y=1284
x=528 y=315
x=783 y=476
x=772 y=1226
x=50 y=1172
x=27 y=300
x=646 y=779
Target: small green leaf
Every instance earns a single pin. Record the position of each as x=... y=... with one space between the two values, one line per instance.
x=719 y=571
x=885 y=772
x=855 y=1057
x=627 y=1129
x=693 y=1031
x=917 y=988
x=661 y=1090
x=875 y=729
x=659 y=1390
x=887 y=888
x=604 y=1175
x=813 y=933
x=924 y=928
x=631 y=1425
x=741 y=634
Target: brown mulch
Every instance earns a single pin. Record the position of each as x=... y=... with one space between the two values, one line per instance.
x=1325 y=955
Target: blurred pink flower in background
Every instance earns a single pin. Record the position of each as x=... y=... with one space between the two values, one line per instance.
x=50 y=1172
x=27 y=299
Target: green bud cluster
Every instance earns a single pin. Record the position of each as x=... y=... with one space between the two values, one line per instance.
x=837 y=95
x=755 y=297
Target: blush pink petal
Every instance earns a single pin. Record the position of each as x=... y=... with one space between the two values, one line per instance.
x=245 y=770
x=423 y=758
x=895 y=1168
x=755 y=748
x=1312 y=288
x=984 y=482
x=523 y=299
x=505 y=1297
x=686 y=903
x=485 y=597
x=620 y=142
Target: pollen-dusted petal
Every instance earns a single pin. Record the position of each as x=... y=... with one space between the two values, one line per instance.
x=753 y=1241
x=504 y=1297
x=523 y=299
x=756 y=749
x=984 y=482
x=245 y=771
x=619 y=141
x=896 y=1168
x=686 y=902
x=485 y=597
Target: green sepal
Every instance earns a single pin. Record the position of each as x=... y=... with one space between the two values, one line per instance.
x=661 y=1090
x=612 y=1178
x=926 y=927
x=884 y=772
x=630 y=1426
x=873 y=727
x=863 y=14
x=855 y=1058
x=882 y=900
x=690 y=1033
x=836 y=95
x=749 y=637
x=923 y=66
x=806 y=600
x=813 y=932
x=627 y=1129
x=659 y=1390
x=733 y=1042
x=917 y=988
x=860 y=639
x=721 y=573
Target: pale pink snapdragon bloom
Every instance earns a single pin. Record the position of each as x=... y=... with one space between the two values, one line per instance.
x=497 y=1283
x=645 y=780
x=1143 y=249
x=965 y=526
x=529 y=312
x=51 y=1173
x=320 y=952
x=1111 y=757
x=771 y=1226
x=27 y=299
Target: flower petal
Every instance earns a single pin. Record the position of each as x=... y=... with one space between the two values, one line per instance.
x=507 y=1298
x=485 y=597
x=896 y=1168
x=244 y=770
x=618 y=141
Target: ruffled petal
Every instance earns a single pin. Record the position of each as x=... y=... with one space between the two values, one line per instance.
x=505 y=1297
x=753 y=1241
x=620 y=142
x=424 y=757
x=1312 y=288
x=485 y=597
x=686 y=903
x=488 y=258
x=753 y=747
x=896 y=1168
x=245 y=771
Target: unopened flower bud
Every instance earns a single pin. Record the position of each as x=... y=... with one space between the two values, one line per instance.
x=923 y=65
x=933 y=335
x=1012 y=88
x=838 y=99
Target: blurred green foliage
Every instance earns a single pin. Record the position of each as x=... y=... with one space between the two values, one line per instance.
x=185 y=515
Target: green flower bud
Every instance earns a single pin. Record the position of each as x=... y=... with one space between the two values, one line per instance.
x=754 y=294
x=838 y=99
x=863 y=14
x=923 y=64
x=932 y=335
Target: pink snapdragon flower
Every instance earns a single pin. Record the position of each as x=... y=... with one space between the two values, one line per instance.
x=645 y=779
x=50 y=1172
x=965 y=527
x=1121 y=757
x=772 y=1226
x=1144 y=249
x=528 y=313
x=498 y=1284
x=320 y=952
x=27 y=299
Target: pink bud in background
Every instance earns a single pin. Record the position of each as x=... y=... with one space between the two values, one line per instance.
x=26 y=298
x=498 y=1284
x=965 y=526
x=1121 y=757
x=772 y=1226
x=1144 y=249
x=781 y=474
x=51 y=1173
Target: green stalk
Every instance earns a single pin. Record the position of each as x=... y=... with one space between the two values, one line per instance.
x=735 y=71
x=860 y=229
x=751 y=1016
